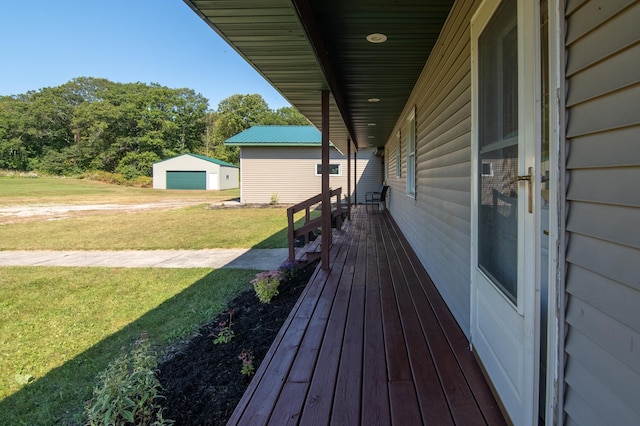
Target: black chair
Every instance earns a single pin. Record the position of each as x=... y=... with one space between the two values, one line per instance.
x=378 y=198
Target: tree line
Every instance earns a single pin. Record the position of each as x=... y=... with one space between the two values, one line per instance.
x=93 y=124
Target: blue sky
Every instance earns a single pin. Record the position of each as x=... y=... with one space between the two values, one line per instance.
x=46 y=43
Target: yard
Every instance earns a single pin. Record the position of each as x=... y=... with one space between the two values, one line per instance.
x=62 y=326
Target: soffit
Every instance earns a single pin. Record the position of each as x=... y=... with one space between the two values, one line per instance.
x=305 y=46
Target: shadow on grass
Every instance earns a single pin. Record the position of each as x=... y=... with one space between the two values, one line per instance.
x=59 y=396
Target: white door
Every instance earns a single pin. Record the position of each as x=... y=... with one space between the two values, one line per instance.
x=214 y=182
x=505 y=157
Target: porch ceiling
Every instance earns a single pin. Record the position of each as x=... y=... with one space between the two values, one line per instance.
x=304 y=46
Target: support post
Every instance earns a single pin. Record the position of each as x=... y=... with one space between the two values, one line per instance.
x=355 y=176
x=326 y=195
x=349 y=178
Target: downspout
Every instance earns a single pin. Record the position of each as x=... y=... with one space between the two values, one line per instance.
x=325 y=245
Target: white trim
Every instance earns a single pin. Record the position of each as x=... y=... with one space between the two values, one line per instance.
x=555 y=319
x=411 y=123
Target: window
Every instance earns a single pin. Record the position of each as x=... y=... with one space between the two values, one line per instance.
x=411 y=154
x=487 y=168
x=398 y=155
x=334 y=169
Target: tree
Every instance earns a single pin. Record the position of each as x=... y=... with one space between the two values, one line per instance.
x=238 y=113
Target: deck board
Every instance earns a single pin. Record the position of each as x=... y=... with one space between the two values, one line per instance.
x=369 y=342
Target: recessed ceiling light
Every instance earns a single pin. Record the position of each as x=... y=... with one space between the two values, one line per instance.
x=373 y=100
x=371 y=137
x=371 y=124
x=376 y=38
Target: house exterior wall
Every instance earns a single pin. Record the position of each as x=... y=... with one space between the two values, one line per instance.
x=290 y=172
x=229 y=177
x=602 y=340
x=601 y=374
x=190 y=163
x=437 y=221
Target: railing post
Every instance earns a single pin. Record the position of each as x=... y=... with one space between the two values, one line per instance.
x=349 y=178
x=291 y=237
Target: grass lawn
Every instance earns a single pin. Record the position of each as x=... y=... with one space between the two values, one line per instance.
x=16 y=190
x=195 y=227
x=59 y=327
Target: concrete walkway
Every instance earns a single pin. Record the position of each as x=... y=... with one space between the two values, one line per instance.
x=262 y=259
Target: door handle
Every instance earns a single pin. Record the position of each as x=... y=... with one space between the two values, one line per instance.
x=529 y=179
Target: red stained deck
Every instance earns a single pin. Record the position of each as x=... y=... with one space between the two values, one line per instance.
x=369 y=342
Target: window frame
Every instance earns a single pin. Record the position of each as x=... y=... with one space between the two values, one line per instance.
x=399 y=155
x=318 y=169
x=411 y=153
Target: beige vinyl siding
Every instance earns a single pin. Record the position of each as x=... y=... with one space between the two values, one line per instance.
x=602 y=341
x=437 y=221
x=290 y=172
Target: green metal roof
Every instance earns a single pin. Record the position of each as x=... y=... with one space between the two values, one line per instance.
x=277 y=136
x=205 y=158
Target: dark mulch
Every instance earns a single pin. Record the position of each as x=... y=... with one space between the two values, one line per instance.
x=202 y=382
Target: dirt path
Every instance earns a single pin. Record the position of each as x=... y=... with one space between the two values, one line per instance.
x=37 y=212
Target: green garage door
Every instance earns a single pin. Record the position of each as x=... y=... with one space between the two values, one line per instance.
x=186 y=180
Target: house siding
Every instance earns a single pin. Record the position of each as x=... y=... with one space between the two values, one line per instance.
x=233 y=180
x=602 y=291
x=437 y=220
x=289 y=172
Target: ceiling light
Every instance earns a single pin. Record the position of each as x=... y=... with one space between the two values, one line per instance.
x=371 y=124
x=376 y=38
x=373 y=100
x=371 y=137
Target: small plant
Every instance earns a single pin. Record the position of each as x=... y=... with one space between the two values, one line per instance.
x=288 y=269
x=247 y=363
x=275 y=198
x=266 y=284
x=128 y=390
x=225 y=333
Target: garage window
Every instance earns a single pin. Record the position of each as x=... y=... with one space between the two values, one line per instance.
x=334 y=169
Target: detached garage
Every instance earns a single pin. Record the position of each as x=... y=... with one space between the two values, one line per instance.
x=192 y=171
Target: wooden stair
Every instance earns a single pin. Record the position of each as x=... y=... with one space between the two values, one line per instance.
x=312 y=250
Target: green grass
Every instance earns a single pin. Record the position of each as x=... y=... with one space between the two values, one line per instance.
x=195 y=227
x=16 y=190
x=61 y=326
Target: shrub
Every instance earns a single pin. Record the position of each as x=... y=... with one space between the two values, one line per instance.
x=288 y=269
x=128 y=390
x=266 y=285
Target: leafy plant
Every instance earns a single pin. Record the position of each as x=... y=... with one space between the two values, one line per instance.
x=266 y=284
x=275 y=198
x=248 y=368
x=128 y=390
x=288 y=269
x=225 y=333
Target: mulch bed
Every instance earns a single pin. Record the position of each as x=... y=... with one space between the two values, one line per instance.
x=202 y=382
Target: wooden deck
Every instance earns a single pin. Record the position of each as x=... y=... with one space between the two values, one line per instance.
x=369 y=342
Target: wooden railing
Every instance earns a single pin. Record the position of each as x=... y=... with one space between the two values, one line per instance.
x=309 y=224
